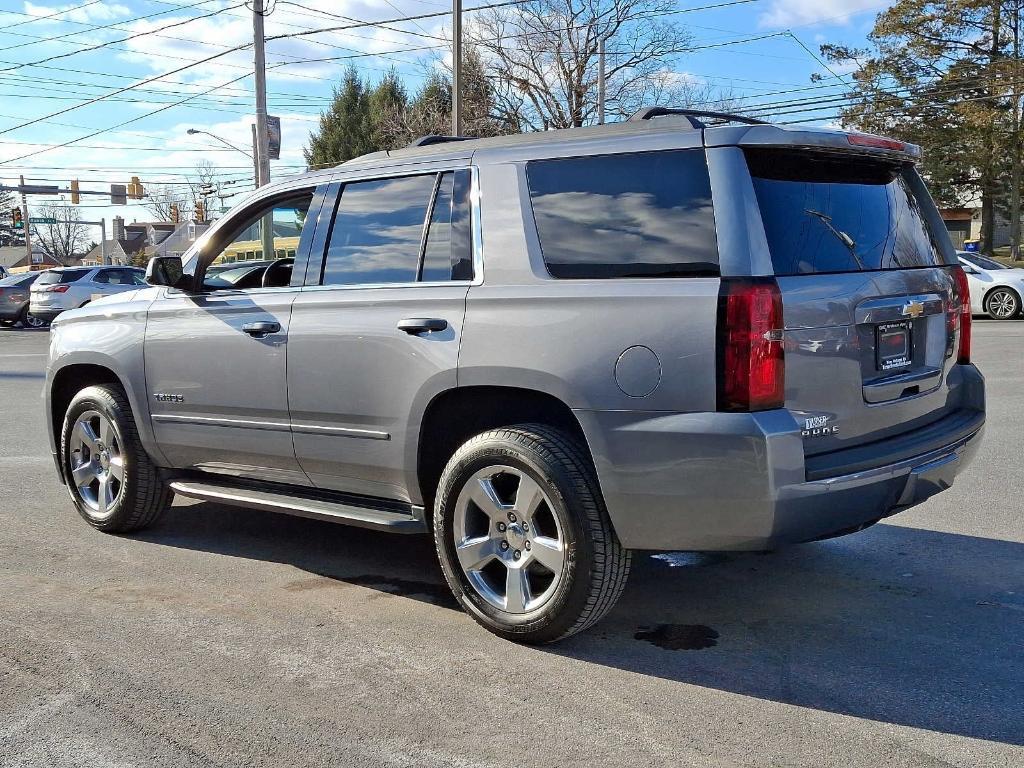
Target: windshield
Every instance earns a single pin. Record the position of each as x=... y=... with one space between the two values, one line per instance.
x=18 y=280
x=980 y=261
x=831 y=213
x=64 y=276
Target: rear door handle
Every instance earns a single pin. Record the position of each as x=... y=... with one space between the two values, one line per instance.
x=261 y=329
x=417 y=325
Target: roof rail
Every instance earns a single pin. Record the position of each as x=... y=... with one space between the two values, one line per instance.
x=425 y=141
x=647 y=113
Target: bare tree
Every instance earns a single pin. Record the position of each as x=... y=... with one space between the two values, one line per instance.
x=160 y=197
x=65 y=239
x=542 y=58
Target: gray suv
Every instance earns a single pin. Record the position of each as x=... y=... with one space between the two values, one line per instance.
x=680 y=332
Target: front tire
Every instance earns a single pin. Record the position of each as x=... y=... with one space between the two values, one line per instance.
x=114 y=484
x=523 y=536
x=1002 y=304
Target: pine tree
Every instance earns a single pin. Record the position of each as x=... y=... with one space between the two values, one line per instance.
x=941 y=74
x=388 y=102
x=346 y=130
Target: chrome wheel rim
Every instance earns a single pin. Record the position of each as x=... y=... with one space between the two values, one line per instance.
x=508 y=540
x=34 y=322
x=96 y=463
x=1002 y=305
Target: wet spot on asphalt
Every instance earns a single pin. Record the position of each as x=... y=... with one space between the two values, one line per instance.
x=680 y=637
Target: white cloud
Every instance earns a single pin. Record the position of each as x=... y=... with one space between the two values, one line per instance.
x=97 y=12
x=791 y=13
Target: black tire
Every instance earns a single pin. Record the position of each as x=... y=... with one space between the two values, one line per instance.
x=143 y=496
x=595 y=564
x=28 y=320
x=1008 y=305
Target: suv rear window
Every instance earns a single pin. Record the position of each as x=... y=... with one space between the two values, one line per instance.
x=840 y=213
x=64 y=276
x=646 y=214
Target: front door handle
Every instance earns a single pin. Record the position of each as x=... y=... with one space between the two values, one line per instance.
x=417 y=325
x=261 y=329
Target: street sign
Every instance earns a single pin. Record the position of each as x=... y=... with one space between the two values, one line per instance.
x=38 y=189
x=273 y=137
x=41 y=220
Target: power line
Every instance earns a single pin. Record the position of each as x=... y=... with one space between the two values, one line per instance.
x=119 y=125
x=121 y=40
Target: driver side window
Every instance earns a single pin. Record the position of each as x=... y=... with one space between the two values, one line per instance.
x=260 y=251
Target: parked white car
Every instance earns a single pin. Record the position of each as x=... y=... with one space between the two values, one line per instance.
x=996 y=289
x=57 y=290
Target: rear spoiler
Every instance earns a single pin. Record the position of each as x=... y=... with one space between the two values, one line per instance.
x=811 y=138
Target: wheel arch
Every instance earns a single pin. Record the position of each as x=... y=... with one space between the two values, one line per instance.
x=455 y=415
x=74 y=374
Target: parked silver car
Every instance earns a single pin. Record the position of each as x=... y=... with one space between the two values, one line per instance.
x=14 y=298
x=546 y=350
x=64 y=288
x=996 y=289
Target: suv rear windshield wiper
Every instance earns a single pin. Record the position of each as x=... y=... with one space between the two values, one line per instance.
x=841 y=236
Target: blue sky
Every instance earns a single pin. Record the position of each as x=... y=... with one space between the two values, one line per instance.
x=157 y=148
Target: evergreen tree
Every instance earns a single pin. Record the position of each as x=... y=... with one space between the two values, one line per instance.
x=346 y=130
x=942 y=74
x=388 y=102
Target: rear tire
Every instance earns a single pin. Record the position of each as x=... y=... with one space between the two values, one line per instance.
x=523 y=536
x=28 y=320
x=114 y=484
x=1002 y=303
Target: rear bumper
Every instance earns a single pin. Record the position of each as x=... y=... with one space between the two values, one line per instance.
x=719 y=481
x=46 y=314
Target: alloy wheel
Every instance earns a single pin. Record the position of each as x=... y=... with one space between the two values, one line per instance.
x=96 y=463
x=508 y=540
x=1002 y=304
x=32 y=321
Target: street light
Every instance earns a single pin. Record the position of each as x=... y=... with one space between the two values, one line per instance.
x=225 y=142
x=267 y=224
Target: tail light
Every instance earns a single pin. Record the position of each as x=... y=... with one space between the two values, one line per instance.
x=960 y=313
x=63 y=288
x=751 y=365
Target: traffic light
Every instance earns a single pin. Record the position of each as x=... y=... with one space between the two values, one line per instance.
x=75 y=197
x=175 y=213
x=135 y=190
x=16 y=221
x=200 y=211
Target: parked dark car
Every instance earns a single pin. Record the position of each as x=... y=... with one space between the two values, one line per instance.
x=14 y=297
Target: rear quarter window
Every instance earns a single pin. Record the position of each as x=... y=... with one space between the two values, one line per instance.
x=643 y=214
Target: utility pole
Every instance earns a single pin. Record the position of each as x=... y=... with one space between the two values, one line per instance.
x=24 y=218
x=255 y=157
x=1016 y=149
x=103 y=242
x=263 y=160
x=600 y=81
x=456 y=67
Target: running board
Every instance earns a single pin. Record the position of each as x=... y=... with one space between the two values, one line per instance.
x=336 y=511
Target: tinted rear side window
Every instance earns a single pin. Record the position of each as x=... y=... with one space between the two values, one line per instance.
x=65 y=276
x=377 y=231
x=632 y=215
x=836 y=213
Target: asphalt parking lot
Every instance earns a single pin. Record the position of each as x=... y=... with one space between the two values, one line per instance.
x=236 y=638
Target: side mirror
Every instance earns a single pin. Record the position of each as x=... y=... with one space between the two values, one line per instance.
x=165 y=270
x=969 y=270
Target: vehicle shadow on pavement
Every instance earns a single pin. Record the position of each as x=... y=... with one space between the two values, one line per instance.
x=898 y=625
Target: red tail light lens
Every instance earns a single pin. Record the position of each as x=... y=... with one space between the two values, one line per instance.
x=880 y=142
x=56 y=289
x=961 y=309
x=751 y=365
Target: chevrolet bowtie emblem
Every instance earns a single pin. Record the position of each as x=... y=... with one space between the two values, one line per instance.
x=913 y=309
